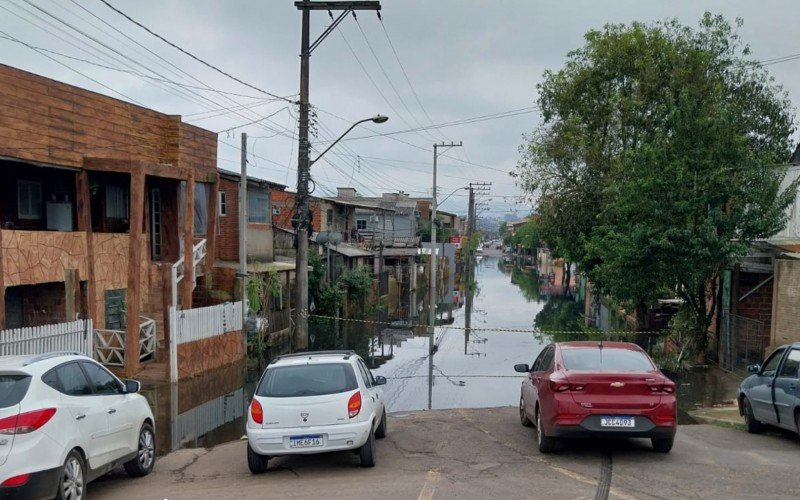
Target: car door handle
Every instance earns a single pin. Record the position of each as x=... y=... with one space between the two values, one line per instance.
x=80 y=417
x=112 y=410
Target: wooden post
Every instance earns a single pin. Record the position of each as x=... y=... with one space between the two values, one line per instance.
x=72 y=294
x=85 y=226
x=134 y=270
x=188 y=245
x=2 y=287
x=211 y=232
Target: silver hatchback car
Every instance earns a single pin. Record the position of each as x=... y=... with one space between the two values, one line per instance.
x=771 y=395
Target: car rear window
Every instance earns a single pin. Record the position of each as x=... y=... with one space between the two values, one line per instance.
x=307 y=380
x=13 y=389
x=606 y=360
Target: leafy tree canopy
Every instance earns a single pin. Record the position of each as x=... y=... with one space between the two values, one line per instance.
x=659 y=159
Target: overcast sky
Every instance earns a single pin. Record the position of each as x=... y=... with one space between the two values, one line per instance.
x=464 y=59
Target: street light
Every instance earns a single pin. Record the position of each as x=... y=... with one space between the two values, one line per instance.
x=374 y=119
x=301 y=259
x=451 y=194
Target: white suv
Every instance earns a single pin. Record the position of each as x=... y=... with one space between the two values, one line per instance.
x=64 y=421
x=315 y=402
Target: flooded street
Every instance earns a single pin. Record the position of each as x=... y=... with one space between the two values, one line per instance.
x=469 y=371
x=474 y=372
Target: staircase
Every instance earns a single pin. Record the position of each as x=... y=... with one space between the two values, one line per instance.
x=178 y=269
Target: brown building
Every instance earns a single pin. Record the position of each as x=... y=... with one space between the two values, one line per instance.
x=99 y=202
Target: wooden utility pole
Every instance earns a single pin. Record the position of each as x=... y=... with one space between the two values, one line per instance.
x=243 y=233
x=300 y=341
x=434 y=247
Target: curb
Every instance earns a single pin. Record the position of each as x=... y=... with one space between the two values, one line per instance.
x=719 y=422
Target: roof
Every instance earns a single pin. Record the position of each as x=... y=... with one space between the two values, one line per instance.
x=259 y=267
x=359 y=204
x=351 y=251
x=236 y=176
x=305 y=357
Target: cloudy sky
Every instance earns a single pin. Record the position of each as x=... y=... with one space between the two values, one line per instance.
x=448 y=70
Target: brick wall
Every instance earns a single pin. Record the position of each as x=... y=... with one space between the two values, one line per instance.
x=228 y=238
x=284 y=201
x=207 y=354
x=786 y=304
x=757 y=305
x=46 y=121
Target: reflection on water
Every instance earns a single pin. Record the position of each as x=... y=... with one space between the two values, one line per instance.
x=471 y=370
x=202 y=411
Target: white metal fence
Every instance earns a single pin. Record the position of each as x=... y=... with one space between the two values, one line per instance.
x=71 y=336
x=190 y=325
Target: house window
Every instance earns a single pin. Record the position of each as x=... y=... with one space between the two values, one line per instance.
x=29 y=199
x=361 y=224
x=223 y=203
x=257 y=206
x=329 y=218
x=117 y=202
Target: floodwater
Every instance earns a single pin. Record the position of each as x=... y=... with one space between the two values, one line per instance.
x=475 y=371
x=469 y=371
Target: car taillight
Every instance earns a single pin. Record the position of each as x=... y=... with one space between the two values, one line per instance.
x=564 y=386
x=354 y=404
x=16 y=480
x=665 y=388
x=257 y=412
x=26 y=422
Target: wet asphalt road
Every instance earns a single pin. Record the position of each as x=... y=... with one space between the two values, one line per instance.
x=485 y=453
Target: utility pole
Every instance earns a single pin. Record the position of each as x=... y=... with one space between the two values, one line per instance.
x=243 y=233
x=432 y=287
x=303 y=167
x=481 y=188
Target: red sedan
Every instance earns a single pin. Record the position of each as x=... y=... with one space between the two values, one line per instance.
x=593 y=389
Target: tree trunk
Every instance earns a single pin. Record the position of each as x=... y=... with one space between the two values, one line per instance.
x=641 y=316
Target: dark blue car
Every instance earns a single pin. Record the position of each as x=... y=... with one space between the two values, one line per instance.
x=772 y=394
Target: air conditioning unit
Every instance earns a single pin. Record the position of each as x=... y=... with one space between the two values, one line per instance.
x=276 y=210
x=374 y=218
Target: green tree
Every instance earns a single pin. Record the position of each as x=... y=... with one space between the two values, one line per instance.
x=659 y=160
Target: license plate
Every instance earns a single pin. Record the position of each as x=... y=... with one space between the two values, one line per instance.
x=617 y=422
x=305 y=441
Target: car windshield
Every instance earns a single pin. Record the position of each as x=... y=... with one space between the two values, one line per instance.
x=307 y=380
x=606 y=360
x=13 y=389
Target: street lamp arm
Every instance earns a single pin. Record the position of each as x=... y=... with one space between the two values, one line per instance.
x=451 y=194
x=376 y=119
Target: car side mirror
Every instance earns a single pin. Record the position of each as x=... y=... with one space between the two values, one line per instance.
x=132 y=386
x=522 y=368
x=754 y=368
x=379 y=380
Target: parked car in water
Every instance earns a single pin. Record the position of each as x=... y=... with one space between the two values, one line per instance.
x=315 y=402
x=66 y=420
x=771 y=395
x=597 y=389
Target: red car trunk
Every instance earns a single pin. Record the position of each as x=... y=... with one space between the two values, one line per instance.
x=615 y=391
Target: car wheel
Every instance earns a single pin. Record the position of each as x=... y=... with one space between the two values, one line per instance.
x=142 y=464
x=523 y=417
x=797 y=421
x=380 y=432
x=367 y=452
x=753 y=425
x=256 y=462
x=663 y=445
x=72 y=485
x=546 y=443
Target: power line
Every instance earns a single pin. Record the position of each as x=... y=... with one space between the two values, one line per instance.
x=137 y=23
